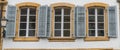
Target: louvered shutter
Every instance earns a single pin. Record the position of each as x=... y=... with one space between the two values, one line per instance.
x=48 y=22
x=112 y=21
x=11 y=15
x=42 y=21
x=80 y=21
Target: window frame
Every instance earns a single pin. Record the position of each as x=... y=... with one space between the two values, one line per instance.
x=96 y=21
x=27 y=22
x=62 y=23
x=26 y=4
x=99 y=38
x=62 y=4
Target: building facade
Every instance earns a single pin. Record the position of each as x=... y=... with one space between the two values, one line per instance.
x=61 y=25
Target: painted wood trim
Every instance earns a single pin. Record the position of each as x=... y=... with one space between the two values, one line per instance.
x=72 y=6
x=98 y=4
x=58 y=49
x=25 y=4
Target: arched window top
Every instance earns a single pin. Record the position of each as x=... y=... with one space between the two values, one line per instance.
x=98 y=4
x=62 y=4
x=28 y=4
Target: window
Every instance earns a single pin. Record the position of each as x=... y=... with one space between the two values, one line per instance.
x=62 y=22
x=96 y=22
x=26 y=22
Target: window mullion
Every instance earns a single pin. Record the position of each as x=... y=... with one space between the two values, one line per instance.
x=62 y=22
x=27 y=22
x=96 y=29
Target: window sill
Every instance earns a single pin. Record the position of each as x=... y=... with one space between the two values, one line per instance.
x=24 y=39
x=96 y=39
x=61 y=39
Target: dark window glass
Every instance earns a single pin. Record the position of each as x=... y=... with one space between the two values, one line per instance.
x=100 y=32
x=57 y=18
x=31 y=25
x=32 y=11
x=67 y=33
x=57 y=32
x=31 y=32
x=22 y=25
x=23 y=18
x=66 y=18
x=66 y=25
x=100 y=19
x=22 y=33
x=91 y=25
x=100 y=25
x=100 y=11
x=91 y=11
x=32 y=18
x=91 y=32
x=66 y=11
x=91 y=18
x=57 y=11
x=57 y=25
x=23 y=11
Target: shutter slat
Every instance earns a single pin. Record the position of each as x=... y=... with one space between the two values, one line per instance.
x=42 y=21
x=80 y=21
x=11 y=15
x=112 y=22
x=48 y=22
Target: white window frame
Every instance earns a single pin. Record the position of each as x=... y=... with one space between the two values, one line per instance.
x=62 y=24
x=27 y=23
x=96 y=23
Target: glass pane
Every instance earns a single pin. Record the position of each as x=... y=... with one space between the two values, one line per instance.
x=67 y=33
x=100 y=25
x=66 y=25
x=32 y=11
x=66 y=11
x=91 y=25
x=57 y=32
x=91 y=32
x=66 y=18
x=100 y=32
x=23 y=11
x=57 y=11
x=23 y=18
x=91 y=11
x=31 y=33
x=22 y=25
x=31 y=25
x=57 y=25
x=100 y=11
x=91 y=18
x=22 y=33
x=57 y=18
x=32 y=19
x=100 y=19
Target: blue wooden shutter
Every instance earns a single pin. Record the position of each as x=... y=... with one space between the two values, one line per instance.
x=112 y=22
x=48 y=22
x=80 y=21
x=42 y=30
x=11 y=15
